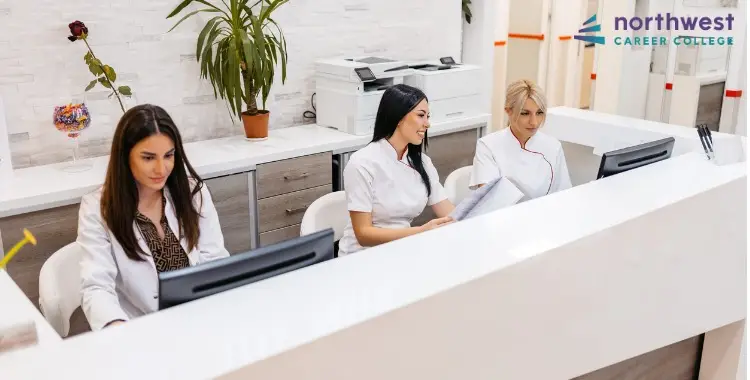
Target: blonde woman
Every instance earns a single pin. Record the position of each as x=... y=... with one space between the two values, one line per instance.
x=531 y=159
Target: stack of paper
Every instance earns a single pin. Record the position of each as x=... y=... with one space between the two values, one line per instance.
x=495 y=195
x=18 y=336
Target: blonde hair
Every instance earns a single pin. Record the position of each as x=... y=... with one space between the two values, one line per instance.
x=517 y=93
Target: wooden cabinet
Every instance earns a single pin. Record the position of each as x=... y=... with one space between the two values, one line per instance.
x=286 y=189
x=448 y=153
x=231 y=198
x=287 y=209
x=278 y=235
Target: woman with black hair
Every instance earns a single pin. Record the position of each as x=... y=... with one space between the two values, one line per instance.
x=389 y=182
x=153 y=214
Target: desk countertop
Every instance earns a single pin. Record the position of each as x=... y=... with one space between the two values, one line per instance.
x=42 y=187
x=317 y=301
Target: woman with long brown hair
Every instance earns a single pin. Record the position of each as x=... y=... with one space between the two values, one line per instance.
x=153 y=214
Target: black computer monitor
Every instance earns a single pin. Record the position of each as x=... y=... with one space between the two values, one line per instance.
x=622 y=160
x=184 y=285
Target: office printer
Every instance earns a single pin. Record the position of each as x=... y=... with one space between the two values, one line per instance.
x=452 y=89
x=348 y=90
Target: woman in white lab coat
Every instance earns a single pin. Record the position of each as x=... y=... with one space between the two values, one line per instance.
x=148 y=217
x=529 y=158
x=389 y=182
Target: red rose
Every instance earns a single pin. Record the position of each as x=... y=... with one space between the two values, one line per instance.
x=78 y=30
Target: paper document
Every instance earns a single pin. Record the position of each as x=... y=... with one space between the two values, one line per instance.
x=18 y=336
x=493 y=196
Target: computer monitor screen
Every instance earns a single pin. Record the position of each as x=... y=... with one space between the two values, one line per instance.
x=188 y=284
x=633 y=157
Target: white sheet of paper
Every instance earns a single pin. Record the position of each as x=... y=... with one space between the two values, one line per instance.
x=493 y=196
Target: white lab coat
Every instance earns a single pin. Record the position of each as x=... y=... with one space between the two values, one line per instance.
x=378 y=182
x=114 y=286
x=538 y=169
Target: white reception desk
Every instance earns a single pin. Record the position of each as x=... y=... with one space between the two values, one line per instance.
x=552 y=288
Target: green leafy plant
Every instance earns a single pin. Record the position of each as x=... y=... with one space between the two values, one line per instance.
x=466 y=10
x=104 y=74
x=238 y=50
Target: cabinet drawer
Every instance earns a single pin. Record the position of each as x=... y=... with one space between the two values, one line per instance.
x=287 y=209
x=275 y=236
x=231 y=199
x=286 y=176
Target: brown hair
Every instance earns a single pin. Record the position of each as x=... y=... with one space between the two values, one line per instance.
x=119 y=201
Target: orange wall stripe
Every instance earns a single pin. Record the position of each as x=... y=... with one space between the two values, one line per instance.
x=565 y=38
x=668 y=86
x=593 y=76
x=734 y=93
x=539 y=37
x=499 y=43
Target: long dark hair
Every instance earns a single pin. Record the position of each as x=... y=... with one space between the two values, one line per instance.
x=397 y=101
x=119 y=201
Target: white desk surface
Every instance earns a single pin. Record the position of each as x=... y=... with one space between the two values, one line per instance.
x=585 y=127
x=222 y=333
x=17 y=308
x=42 y=187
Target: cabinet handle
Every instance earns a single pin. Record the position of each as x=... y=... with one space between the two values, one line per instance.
x=289 y=177
x=295 y=210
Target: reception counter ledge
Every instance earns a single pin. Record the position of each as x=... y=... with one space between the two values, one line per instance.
x=555 y=288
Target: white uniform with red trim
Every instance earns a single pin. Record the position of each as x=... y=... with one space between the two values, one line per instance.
x=538 y=169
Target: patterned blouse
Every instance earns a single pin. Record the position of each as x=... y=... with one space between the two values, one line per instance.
x=168 y=253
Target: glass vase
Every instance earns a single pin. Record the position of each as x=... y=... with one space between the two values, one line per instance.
x=77 y=165
x=71 y=119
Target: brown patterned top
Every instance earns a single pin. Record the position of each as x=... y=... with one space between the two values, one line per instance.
x=168 y=253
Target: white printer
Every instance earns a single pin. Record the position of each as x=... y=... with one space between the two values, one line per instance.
x=348 y=90
x=452 y=89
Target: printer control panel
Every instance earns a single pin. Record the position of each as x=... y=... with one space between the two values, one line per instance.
x=365 y=74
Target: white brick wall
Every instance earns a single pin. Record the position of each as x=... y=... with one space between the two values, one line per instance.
x=40 y=68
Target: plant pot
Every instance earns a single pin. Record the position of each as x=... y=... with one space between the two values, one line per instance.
x=256 y=126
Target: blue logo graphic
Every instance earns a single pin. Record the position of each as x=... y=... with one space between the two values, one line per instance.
x=592 y=28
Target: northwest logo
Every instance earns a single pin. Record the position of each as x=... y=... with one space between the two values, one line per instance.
x=592 y=28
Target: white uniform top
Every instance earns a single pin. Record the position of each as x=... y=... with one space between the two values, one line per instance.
x=376 y=181
x=538 y=169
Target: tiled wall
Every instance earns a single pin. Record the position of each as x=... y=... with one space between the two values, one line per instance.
x=40 y=68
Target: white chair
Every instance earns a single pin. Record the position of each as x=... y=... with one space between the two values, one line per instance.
x=60 y=287
x=328 y=211
x=457 y=184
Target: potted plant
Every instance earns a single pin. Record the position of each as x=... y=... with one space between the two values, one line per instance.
x=238 y=50
x=466 y=10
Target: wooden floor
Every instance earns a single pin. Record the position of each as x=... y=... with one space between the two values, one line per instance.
x=78 y=323
x=678 y=361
